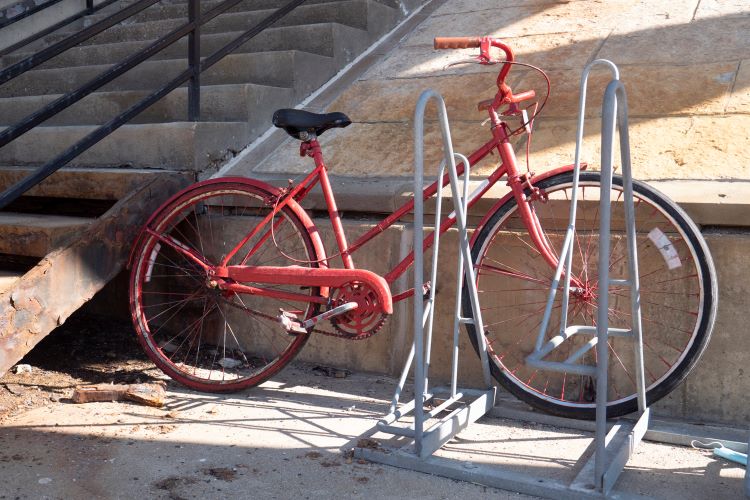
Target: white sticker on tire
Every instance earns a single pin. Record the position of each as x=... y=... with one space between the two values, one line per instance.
x=667 y=249
x=151 y=260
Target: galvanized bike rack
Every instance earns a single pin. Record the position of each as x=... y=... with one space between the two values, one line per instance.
x=462 y=406
x=612 y=450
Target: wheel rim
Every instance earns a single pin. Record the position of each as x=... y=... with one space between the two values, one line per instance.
x=512 y=271
x=203 y=336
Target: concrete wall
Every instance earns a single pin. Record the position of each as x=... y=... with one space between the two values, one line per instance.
x=714 y=392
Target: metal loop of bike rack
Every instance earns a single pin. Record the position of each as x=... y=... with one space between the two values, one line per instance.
x=470 y=403
x=612 y=450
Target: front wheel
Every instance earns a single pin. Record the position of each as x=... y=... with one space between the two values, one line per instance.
x=202 y=336
x=677 y=286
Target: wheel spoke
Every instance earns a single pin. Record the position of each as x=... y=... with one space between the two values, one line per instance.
x=204 y=337
x=513 y=282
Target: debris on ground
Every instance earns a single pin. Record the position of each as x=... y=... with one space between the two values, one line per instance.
x=15 y=389
x=18 y=369
x=372 y=444
x=229 y=363
x=329 y=371
x=147 y=394
x=222 y=473
x=77 y=353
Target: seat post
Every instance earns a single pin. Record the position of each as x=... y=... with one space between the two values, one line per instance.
x=311 y=147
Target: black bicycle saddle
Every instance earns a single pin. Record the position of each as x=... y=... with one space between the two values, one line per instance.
x=295 y=121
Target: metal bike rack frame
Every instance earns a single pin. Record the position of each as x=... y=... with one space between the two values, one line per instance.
x=608 y=463
x=470 y=403
x=612 y=450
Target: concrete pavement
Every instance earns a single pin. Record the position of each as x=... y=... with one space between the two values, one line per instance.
x=289 y=439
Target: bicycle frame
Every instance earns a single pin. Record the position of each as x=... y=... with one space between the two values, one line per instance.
x=516 y=181
x=230 y=278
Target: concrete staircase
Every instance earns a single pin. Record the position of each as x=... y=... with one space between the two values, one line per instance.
x=70 y=235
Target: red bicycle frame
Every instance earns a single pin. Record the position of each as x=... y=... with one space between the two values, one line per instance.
x=229 y=278
x=516 y=180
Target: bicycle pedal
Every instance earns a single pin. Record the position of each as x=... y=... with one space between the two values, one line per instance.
x=290 y=323
x=336 y=311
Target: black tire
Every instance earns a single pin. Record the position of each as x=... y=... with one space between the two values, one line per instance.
x=205 y=338
x=678 y=304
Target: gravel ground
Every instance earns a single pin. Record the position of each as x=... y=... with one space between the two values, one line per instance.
x=86 y=349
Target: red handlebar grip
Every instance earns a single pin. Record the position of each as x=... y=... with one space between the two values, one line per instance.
x=460 y=42
x=523 y=96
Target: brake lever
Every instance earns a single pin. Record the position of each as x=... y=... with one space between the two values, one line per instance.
x=460 y=62
x=471 y=60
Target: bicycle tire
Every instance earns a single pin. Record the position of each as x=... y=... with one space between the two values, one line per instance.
x=204 y=338
x=503 y=241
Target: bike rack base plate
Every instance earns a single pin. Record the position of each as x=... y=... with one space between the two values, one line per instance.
x=486 y=475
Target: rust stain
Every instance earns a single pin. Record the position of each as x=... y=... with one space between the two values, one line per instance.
x=43 y=298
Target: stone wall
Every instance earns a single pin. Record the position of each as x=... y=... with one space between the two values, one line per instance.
x=686 y=70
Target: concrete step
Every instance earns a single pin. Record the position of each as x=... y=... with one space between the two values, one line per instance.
x=254 y=104
x=363 y=14
x=290 y=68
x=179 y=9
x=8 y=279
x=81 y=183
x=37 y=234
x=177 y=146
x=326 y=39
x=404 y=6
x=69 y=276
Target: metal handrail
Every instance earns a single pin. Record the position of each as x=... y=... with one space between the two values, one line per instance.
x=195 y=67
x=58 y=48
x=90 y=9
x=26 y=13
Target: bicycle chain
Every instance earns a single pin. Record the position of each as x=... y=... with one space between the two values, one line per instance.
x=349 y=336
x=341 y=335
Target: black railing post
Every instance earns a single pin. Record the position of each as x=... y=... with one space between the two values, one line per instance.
x=194 y=60
x=190 y=75
x=90 y=6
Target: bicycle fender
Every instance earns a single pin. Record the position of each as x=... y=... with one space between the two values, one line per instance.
x=509 y=195
x=293 y=205
x=312 y=277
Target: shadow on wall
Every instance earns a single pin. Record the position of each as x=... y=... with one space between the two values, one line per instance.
x=687 y=84
x=678 y=68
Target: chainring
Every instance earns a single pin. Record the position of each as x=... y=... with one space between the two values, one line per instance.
x=363 y=321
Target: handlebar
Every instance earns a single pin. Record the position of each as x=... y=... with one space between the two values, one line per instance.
x=467 y=42
x=505 y=94
x=457 y=42
x=523 y=96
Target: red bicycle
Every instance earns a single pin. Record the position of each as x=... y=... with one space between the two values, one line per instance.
x=230 y=276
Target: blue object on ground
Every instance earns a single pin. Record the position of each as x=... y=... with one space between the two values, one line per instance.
x=734 y=456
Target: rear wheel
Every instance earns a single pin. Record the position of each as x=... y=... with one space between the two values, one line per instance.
x=207 y=338
x=678 y=296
